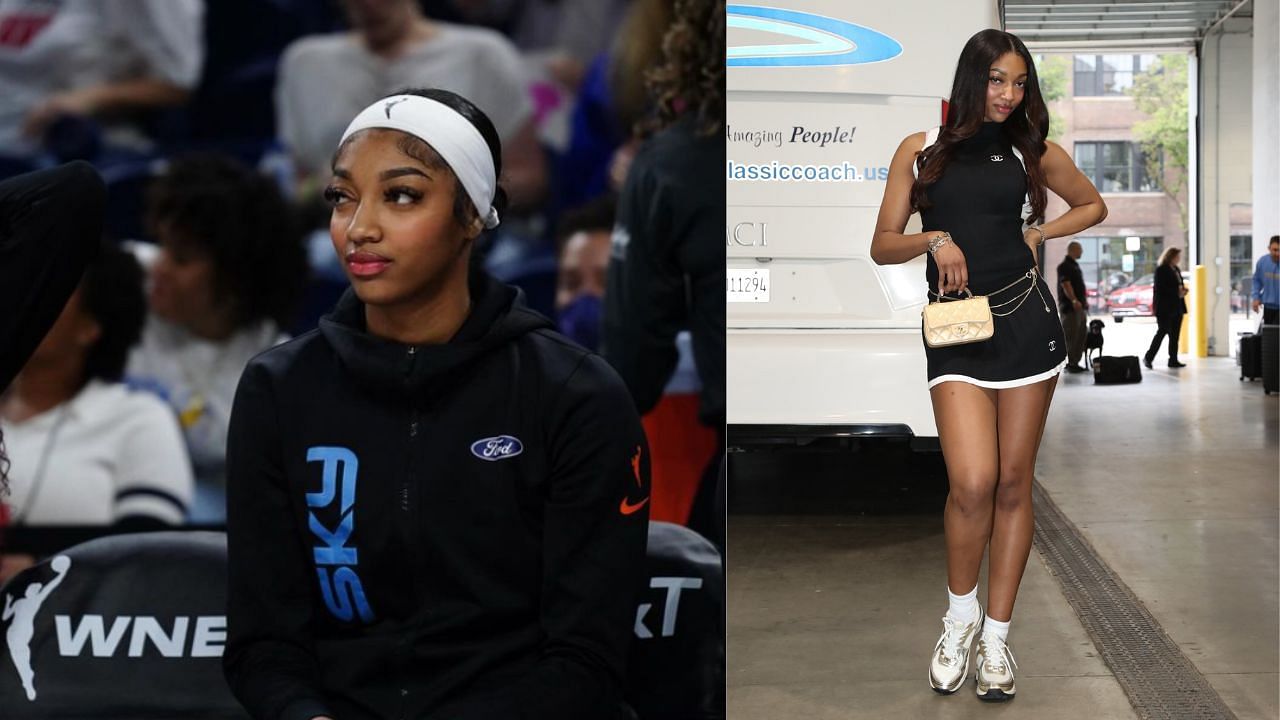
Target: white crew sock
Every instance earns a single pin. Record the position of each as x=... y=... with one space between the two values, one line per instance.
x=963 y=607
x=996 y=628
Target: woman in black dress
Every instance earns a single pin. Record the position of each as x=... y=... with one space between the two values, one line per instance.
x=1169 y=306
x=980 y=185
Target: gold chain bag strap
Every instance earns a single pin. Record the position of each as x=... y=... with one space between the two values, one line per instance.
x=958 y=322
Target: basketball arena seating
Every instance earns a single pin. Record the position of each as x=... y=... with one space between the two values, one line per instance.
x=132 y=626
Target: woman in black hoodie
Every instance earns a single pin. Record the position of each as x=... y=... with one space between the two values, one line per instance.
x=437 y=505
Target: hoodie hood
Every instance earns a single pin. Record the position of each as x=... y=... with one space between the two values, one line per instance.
x=498 y=316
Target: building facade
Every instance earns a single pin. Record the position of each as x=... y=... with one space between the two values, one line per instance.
x=1095 y=118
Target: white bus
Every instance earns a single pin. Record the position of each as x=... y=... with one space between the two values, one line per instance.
x=821 y=341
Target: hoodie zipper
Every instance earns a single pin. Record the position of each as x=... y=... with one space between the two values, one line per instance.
x=413 y=435
x=414 y=424
x=405 y=508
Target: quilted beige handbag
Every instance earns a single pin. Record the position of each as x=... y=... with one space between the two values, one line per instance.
x=958 y=321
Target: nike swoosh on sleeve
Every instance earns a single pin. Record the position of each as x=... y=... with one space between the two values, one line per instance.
x=627 y=508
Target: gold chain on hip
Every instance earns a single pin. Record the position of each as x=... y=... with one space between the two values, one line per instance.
x=1029 y=275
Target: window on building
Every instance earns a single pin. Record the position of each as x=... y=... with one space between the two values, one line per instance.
x=1115 y=166
x=1109 y=265
x=1242 y=263
x=1108 y=74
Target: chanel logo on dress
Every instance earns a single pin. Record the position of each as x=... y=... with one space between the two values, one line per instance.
x=997 y=158
x=1053 y=345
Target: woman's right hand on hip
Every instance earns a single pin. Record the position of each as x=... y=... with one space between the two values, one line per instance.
x=953 y=269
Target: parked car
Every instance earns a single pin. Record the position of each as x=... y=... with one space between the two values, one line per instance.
x=1094 y=301
x=1133 y=300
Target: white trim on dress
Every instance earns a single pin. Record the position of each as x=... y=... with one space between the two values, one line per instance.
x=1000 y=384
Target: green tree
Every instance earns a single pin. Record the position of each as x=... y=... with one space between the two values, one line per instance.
x=1160 y=93
x=1052 y=72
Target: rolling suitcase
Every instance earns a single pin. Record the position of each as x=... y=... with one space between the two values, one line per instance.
x=1270 y=358
x=1109 y=370
x=1250 y=356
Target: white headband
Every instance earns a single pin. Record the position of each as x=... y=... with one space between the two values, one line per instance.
x=449 y=133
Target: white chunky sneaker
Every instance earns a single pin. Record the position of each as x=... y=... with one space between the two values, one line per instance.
x=995 y=669
x=950 y=662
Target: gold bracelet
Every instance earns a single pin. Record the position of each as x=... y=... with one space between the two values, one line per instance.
x=1037 y=229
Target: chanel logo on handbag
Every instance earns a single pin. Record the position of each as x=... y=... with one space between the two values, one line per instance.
x=957 y=322
x=997 y=158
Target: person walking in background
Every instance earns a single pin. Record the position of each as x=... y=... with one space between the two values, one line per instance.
x=1071 y=305
x=1170 y=306
x=1266 y=283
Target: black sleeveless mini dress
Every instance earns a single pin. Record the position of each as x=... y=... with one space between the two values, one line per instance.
x=979 y=200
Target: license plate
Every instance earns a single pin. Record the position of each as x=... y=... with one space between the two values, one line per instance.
x=748 y=285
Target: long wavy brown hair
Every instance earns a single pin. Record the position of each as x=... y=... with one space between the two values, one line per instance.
x=1026 y=128
x=637 y=43
x=690 y=78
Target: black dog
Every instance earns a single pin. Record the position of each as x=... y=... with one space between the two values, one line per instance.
x=1093 y=341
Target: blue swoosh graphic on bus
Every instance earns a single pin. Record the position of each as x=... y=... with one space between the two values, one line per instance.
x=827 y=41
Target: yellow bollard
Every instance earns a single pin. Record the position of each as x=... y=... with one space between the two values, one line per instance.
x=1196 y=317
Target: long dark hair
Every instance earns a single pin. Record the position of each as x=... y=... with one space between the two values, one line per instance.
x=690 y=78
x=637 y=42
x=113 y=294
x=1027 y=127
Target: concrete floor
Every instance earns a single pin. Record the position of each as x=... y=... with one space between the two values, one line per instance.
x=1173 y=481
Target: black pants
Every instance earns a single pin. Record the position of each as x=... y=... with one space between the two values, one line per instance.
x=1075 y=328
x=1270 y=315
x=1170 y=325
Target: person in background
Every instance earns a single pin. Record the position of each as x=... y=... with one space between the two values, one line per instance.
x=1170 y=305
x=227 y=276
x=50 y=225
x=105 y=61
x=581 y=268
x=666 y=270
x=1266 y=283
x=325 y=80
x=613 y=100
x=561 y=36
x=1071 y=305
x=85 y=449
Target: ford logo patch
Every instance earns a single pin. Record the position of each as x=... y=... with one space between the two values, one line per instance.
x=497 y=448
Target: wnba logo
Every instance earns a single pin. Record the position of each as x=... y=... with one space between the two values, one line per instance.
x=22 y=616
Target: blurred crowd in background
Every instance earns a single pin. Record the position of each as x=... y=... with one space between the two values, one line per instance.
x=213 y=124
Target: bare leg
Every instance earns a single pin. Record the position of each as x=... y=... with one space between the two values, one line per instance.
x=1022 y=412
x=966 y=418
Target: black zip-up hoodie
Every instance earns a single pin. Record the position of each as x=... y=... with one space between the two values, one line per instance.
x=449 y=531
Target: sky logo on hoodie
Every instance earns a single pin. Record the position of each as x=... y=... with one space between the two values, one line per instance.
x=497 y=448
x=336 y=562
